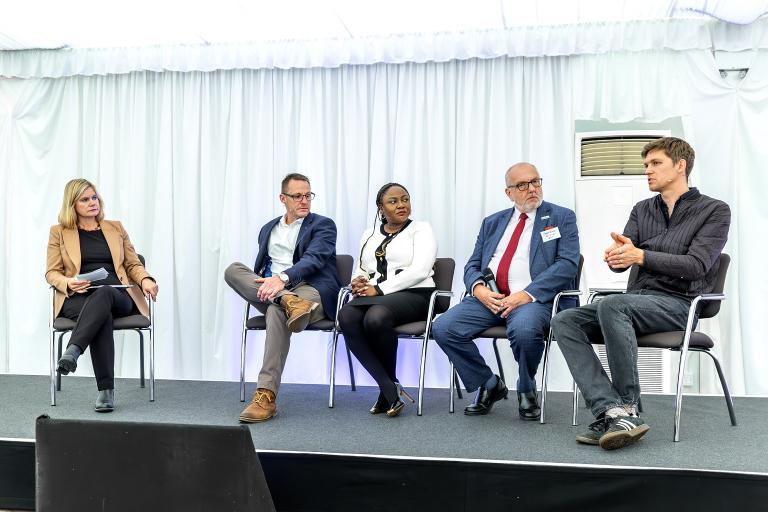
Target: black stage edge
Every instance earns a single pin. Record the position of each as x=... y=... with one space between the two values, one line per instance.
x=17 y=474
x=329 y=482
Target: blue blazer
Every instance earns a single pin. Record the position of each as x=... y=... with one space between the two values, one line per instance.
x=553 y=264
x=314 y=259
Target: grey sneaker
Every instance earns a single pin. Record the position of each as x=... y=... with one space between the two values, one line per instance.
x=594 y=432
x=623 y=431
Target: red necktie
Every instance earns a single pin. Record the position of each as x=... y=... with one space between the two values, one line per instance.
x=502 y=274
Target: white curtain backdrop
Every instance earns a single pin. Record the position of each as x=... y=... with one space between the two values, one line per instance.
x=191 y=164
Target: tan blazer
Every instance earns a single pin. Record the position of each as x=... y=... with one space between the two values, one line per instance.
x=64 y=261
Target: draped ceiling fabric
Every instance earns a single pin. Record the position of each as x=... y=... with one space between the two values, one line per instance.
x=190 y=161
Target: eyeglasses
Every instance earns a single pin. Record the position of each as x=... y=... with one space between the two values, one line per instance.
x=298 y=197
x=523 y=186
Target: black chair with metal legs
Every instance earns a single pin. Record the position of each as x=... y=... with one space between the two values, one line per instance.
x=439 y=302
x=500 y=332
x=258 y=323
x=139 y=323
x=707 y=305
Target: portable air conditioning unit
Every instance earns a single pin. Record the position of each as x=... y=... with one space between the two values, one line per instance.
x=609 y=180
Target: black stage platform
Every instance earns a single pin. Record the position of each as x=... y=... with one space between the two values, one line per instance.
x=316 y=458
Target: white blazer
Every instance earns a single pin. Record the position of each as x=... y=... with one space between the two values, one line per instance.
x=410 y=258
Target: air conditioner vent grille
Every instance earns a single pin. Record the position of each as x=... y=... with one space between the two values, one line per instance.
x=613 y=156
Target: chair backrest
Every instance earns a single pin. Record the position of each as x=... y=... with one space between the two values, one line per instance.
x=141 y=259
x=712 y=307
x=578 y=271
x=444 y=268
x=344 y=264
x=709 y=308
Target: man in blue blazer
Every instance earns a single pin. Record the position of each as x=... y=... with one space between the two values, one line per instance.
x=294 y=282
x=532 y=251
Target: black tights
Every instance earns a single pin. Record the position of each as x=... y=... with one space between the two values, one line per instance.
x=369 y=332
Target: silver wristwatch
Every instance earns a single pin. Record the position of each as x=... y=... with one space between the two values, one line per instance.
x=284 y=277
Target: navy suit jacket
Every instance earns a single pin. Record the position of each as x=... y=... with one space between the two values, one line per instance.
x=553 y=264
x=314 y=259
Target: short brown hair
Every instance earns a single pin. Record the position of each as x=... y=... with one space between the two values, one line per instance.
x=72 y=192
x=289 y=177
x=674 y=148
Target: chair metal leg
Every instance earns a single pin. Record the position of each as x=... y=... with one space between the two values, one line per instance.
x=547 y=345
x=332 y=383
x=458 y=385
x=58 y=375
x=679 y=392
x=422 y=368
x=152 y=357
x=351 y=368
x=53 y=367
x=498 y=361
x=451 y=384
x=575 y=421
x=726 y=392
x=141 y=357
x=243 y=341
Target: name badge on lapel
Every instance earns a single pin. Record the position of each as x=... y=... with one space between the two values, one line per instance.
x=550 y=233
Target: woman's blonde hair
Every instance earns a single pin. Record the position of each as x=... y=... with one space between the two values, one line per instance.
x=72 y=192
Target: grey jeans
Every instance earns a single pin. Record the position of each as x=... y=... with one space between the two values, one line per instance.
x=618 y=320
x=278 y=338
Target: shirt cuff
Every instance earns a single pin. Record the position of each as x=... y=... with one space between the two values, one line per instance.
x=472 y=288
x=533 y=299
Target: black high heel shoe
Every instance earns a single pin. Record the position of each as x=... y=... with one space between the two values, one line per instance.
x=380 y=406
x=397 y=406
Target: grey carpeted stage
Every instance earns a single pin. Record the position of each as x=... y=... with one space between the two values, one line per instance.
x=306 y=424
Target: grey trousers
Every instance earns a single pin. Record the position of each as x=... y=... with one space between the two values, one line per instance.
x=617 y=319
x=278 y=338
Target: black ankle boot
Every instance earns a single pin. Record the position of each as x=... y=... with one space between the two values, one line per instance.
x=105 y=401
x=68 y=362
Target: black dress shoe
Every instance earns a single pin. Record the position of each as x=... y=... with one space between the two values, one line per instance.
x=486 y=398
x=529 y=406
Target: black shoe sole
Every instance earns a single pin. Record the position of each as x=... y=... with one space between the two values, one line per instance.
x=530 y=418
x=103 y=409
x=616 y=440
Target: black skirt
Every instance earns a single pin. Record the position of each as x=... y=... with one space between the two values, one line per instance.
x=409 y=305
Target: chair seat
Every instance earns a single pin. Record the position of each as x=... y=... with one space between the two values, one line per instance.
x=126 y=322
x=259 y=323
x=499 y=331
x=411 y=329
x=673 y=339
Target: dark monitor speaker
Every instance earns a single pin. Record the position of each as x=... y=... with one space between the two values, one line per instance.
x=120 y=466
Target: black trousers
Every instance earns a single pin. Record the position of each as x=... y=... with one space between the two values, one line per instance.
x=94 y=312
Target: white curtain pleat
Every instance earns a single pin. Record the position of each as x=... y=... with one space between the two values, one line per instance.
x=192 y=162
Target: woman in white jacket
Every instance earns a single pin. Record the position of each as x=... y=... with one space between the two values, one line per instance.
x=391 y=287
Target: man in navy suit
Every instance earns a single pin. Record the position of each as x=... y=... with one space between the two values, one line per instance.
x=533 y=251
x=294 y=282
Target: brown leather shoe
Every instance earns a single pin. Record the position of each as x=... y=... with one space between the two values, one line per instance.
x=298 y=310
x=261 y=408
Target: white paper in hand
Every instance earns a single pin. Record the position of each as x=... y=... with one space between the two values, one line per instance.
x=96 y=275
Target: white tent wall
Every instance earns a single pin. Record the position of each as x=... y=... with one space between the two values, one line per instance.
x=191 y=164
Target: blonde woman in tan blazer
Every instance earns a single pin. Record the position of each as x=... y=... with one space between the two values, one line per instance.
x=81 y=242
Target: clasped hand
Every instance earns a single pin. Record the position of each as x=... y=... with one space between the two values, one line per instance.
x=270 y=287
x=361 y=288
x=498 y=303
x=622 y=253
